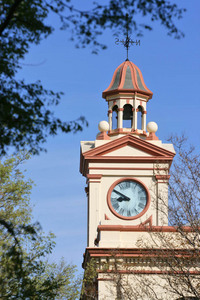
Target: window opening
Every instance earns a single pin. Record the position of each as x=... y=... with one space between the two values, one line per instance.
x=114 y=117
x=127 y=116
x=139 y=117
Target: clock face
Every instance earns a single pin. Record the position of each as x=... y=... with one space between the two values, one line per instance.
x=128 y=198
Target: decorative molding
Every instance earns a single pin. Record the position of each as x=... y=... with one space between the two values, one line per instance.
x=92 y=181
x=135 y=131
x=105 y=279
x=152 y=136
x=141 y=95
x=106 y=217
x=103 y=136
x=94 y=176
x=147 y=223
x=138 y=228
x=143 y=253
x=122 y=160
x=132 y=141
x=162 y=178
x=131 y=169
x=132 y=97
x=120 y=98
x=150 y=272
x=116 y=131
x=125 y=132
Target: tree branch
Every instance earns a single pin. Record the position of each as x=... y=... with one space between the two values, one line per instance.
x=9 y=16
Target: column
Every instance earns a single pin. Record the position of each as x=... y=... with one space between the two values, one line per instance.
x=120 y=118
x=144 y=120
x=133 y=122
x=110 y=119
x=135 y=119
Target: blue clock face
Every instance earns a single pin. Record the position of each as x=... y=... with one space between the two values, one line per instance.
x=128 y=198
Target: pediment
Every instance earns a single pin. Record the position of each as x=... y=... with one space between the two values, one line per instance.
x=128 y=146
x=127 y=150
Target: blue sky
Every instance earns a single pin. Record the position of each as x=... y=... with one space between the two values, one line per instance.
x=171 y=70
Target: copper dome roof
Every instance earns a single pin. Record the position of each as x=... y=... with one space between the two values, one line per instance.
x=127 y=78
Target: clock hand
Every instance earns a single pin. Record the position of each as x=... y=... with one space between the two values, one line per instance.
x=123 y=197
x=120 y=199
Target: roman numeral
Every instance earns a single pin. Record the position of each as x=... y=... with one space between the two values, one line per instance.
x=121 y=211
x=115 y=206
x=141 y=192
x=128 y=213
x=124 y=185
x=141 y=205
x=113 y=200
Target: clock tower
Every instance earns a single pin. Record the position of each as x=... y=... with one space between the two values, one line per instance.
x=127 y=173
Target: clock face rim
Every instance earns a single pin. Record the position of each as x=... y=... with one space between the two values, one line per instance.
x=110 y=204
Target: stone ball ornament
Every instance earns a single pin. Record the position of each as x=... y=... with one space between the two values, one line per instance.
x=103 y=126
x=152 y=127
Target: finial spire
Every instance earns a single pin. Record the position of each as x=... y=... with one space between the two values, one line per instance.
x=128 y=41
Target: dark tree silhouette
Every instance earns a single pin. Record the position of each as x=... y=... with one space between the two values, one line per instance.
x=26 y=113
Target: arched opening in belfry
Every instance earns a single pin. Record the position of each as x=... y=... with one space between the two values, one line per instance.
x=127 y=116
x=139 y=117
x=114 y=116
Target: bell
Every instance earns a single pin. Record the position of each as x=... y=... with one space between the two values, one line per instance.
x=127 y=113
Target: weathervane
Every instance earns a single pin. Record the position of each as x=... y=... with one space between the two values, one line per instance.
x=128 y=41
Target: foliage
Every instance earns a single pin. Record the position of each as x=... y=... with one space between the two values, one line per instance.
x=184 y=186
x=24 y=269
x=25 y=117
x=26 y=114
x=184 y=210
x=89 y=285
x=86 y=26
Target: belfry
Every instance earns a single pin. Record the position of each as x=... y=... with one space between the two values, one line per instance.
x=127 y=96
x=127 y=172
